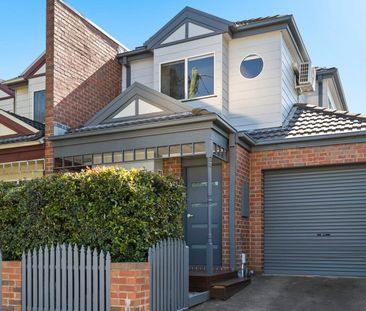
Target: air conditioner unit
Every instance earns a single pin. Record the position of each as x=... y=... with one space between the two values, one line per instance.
x=305 y=77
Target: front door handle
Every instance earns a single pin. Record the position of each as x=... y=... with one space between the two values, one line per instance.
x=189 y=215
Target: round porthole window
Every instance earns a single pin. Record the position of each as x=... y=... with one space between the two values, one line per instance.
x=251 y=66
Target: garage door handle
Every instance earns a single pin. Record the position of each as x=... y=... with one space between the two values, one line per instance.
x=323 y=234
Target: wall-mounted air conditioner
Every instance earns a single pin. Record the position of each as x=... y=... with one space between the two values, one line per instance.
x=305 y=77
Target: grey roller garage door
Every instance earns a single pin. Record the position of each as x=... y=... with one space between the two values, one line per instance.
x=315 y=221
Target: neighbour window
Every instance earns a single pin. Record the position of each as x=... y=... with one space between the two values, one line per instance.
x=188 y=79
x=251 y=66
x=39 y=103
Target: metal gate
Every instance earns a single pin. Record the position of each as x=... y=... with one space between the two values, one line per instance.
x=65 y=278
x=315 y=221
x=169 y=275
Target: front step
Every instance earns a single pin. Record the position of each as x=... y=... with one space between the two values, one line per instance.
x=201 y=281
x=225 y=289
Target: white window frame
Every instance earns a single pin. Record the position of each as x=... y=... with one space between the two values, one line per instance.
x=186 y=59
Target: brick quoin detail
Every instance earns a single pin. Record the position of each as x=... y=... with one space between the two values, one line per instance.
x=130 y=284
x=288 y=158
x=12 y=285
x=82 y=71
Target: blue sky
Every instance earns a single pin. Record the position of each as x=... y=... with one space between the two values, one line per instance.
x=334 y=32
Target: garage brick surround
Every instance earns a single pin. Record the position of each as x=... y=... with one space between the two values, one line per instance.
x=288 y=158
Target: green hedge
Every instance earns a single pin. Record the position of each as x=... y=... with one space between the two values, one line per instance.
x=115 y=210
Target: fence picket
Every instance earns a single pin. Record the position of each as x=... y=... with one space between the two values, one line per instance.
x=34 y=279
x=88 y=280
x=52 y=278
x=101 y=281
x=108 y=282
x=76 y=278
x=39 y=306
x=29 y=281
x=69 y=278
x=63 y=277
x=95 y=280
x=46 y=278
x=82 y=279
x=58 y=278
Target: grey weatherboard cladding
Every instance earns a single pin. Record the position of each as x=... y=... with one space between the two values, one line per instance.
x=315 y=221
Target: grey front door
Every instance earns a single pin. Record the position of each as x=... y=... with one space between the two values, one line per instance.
x=196 y=220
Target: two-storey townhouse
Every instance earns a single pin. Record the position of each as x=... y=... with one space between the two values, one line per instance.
x=223 y=105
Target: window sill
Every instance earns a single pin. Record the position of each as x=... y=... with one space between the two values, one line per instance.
x=197 y=98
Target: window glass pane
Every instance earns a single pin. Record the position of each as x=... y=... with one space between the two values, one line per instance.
x=97 y=158
x=151 y=153
x=78 y=160
x=128 y=155
x=175 y=151
x=187 y=149
x=200 y=76
x=68 y=161
x=117 y=157
x=172 y=79
x=199 y=148
x=251 y=66
x=88 y=159
x=39 y=101
x=107 y=157
x=58 y=162
x=140 y=154
x=163 y=152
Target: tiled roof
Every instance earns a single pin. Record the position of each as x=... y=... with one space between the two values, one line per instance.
x=37 y=125
x=168 y=117
x=308 y=120
x=247 y=22
x=22 y=138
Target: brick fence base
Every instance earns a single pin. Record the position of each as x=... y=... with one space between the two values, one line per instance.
x=130 y=286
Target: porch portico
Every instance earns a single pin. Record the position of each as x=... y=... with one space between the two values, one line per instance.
x=198 y=138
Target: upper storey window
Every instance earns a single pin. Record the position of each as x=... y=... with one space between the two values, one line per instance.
x=39 y=102
x=251 y=66
x=188 y=78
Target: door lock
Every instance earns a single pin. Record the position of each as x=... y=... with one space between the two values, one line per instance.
x=189 y=215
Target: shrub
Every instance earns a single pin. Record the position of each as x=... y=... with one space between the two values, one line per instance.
x=123 y=212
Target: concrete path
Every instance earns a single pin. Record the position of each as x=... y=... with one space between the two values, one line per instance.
x=267 y=293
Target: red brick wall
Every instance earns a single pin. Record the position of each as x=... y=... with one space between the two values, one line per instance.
x=288 y=158
x=12 y=285
x=130 y=286
x=241 y=224
x=173 y=166
x=82 y=72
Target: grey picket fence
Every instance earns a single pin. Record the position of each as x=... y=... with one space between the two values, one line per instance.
x=65 y=278
x=169 y=275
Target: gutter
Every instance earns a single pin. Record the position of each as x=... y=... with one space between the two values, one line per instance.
x=22 y=144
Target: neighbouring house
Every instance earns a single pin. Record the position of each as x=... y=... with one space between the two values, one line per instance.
x=258 y=134
x=273 y=162
x=22 y=116
x=21 y=147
